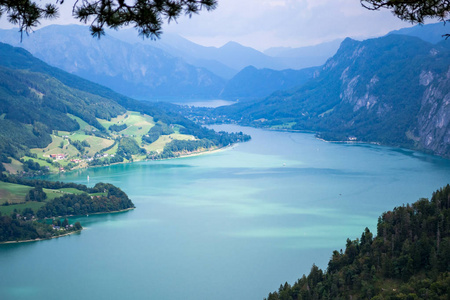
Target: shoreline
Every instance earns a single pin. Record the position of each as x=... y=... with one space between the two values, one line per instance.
x=40 y=239
x=97 y=213
x=68 y=233
x=191 y=154
x=104 y=213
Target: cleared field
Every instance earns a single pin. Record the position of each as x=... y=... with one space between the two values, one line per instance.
x=83 y=124
x=117 y=120
x=71 y=191
x=159 y=144
x=52 y=194
x=14 y=167
x=113 y=150
x=7 y=210
x=41 y=162
x=97 y=143
x=78 y=136
x=183 y=137
x=137 y=123
x=13 y=193
x=54 y=148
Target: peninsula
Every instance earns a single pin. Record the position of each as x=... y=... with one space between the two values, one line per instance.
x=32 y=210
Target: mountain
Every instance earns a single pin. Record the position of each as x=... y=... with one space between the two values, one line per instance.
x=180 y=47
x=392 y=90
x=432 y=33
x=138 y=71
x=63 y=116
x=228 y=60
x=408 y=259
x=252 y=83
x=304 y=57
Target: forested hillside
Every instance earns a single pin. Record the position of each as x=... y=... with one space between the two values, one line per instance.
x=58 y=120
x=391 y=90
x=408 y=259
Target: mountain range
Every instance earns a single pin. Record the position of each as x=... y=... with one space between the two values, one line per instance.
x=393 y=90
x=138 y=71
x=171 y=69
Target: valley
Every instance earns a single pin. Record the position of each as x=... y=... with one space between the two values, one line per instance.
x=315 y=144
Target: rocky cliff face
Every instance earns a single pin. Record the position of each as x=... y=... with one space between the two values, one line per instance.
x=433 y=120
x=393 y=90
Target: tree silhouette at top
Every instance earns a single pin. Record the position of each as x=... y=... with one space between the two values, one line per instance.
x=415 y=11
x=147 y=16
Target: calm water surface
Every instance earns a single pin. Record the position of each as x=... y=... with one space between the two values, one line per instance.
x=228 y=225
x=208 y=103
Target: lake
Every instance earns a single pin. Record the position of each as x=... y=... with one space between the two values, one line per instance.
x=208 y=103
x=233 y=224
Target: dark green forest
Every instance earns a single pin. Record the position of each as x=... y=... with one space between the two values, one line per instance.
x=408 y=259
x=82 y=204
x=17 y=228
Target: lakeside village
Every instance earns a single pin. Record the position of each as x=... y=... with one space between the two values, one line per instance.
x=78 y=161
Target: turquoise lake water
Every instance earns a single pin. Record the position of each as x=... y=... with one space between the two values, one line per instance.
x=234 y=224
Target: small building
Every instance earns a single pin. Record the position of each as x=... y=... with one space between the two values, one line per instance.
x=57 y=156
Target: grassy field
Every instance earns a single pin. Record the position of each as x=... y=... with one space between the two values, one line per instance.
x=13 y=193
x=14 y=167
x=159 y=144
x=40 y=161
x=7 y=210
x=97 y=143
x=83 y=124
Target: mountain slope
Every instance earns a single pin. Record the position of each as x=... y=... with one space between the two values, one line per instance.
x=252 y=83
x=432 y=33
x=38 y=101
x=305 y=57
x=180 y=47
x=392 y=90
x=228 y=60
x=139 y=71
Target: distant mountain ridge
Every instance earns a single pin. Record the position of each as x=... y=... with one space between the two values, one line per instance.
x=393 y=90
x=432 y=33
x=252 y=83
x=157 y=70
x=231 y=58
x=138 y=71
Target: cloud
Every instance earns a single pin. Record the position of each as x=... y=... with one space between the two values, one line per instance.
x=267 y=23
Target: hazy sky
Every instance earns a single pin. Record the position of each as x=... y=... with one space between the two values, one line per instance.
x=262 y=24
